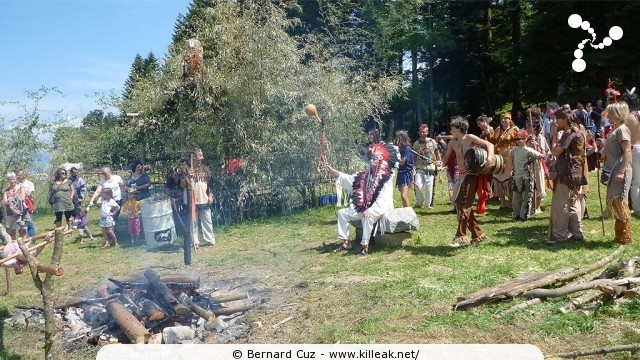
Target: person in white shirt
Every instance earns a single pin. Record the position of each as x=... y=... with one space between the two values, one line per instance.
x=29 y=189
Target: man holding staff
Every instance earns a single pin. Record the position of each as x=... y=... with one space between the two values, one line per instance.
x=371 y=196
x=466 y=184
x=425 y=166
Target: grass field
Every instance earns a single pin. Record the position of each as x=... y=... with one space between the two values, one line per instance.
x=394 y=295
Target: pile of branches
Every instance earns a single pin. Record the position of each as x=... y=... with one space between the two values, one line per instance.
x=585 y=288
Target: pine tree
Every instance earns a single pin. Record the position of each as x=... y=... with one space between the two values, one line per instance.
x=136 y=73
x=150 y=66
x=185 y=24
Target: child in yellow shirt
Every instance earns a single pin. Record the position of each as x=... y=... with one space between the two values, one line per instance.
x=132 y=209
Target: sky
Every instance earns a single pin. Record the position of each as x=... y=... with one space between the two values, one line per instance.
x=79 y=47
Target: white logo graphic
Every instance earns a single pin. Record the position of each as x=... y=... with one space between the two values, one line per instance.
x=575 y=21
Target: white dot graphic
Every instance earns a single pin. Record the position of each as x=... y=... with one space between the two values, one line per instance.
x=580 y=46
x=590 y=30
x=575 y=20
x=615 y=33
x=601 y=46
x=607 y=41
x=585 y=25
x=578 y=54
x=578 y=65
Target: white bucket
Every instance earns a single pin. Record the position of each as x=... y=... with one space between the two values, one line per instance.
x=157 y=221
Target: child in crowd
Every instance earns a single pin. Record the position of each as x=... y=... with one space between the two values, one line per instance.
x=108 y=208
x=404 y=181
x=522 y=158
x=132 y=209
x=81 y=220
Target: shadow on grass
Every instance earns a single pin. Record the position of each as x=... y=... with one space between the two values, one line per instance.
x=4 y=353
x=435 y=250
x=166 y=248
x=518 y=237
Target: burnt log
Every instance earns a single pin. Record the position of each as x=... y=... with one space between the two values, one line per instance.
x=131 y=327
x=199 y=310
x=153 y=311
x=165 y=293
x=175 y=282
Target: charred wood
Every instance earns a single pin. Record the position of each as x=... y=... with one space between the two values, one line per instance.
x=131 y=327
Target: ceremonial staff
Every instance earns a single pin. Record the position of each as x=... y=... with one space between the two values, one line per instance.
x=311 y=110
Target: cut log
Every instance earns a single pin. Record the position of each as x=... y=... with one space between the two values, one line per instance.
x=523 y=305
x=48 y=268
x=131 y=327
x=229 y=297
x=569 y=289
x=165 y=292
x=232 y=310
x=526 y=283
x=613 y=291
x=153 y=311
x=580 y=301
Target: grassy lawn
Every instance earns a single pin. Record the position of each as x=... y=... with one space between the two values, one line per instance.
x=394 y=295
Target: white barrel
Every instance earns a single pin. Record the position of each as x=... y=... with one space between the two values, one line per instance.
x=157 y=221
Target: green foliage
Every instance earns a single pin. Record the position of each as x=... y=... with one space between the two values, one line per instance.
x=247 y=102
x=25 y=136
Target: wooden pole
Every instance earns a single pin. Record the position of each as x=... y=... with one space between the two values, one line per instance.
x=7 y=274
x=131 y=327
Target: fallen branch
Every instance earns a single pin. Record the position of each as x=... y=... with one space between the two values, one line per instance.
x=604 y=350
x=580 y=301
x=526 y=283
x=569 y=289
x=523 y=305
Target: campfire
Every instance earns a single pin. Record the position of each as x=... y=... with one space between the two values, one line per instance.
x=151 y=309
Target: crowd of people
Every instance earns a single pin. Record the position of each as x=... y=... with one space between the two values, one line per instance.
x=67 y=196
x=552 y=149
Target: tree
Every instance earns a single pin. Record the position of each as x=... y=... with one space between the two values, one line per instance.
x=247 y=102
x=135 y=74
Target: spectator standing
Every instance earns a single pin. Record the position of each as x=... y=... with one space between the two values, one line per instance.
x=13 y=201
x=29 y=189
x=566 y=204
x=425 y=166
x=550 y=120
x=131 y=208
x=596 y=115
x=200 y=196
x=405 y=171
x=618 y=163
x=633 y=123
x=61 y=194
x=139 y=181
x=112 y=182
x=484 y=180
x=79 y=187
x=538 y=142
x=504 y=140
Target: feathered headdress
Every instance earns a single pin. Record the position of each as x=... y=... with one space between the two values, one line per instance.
x=631 y=98
x=368 y=183
x=611 y=92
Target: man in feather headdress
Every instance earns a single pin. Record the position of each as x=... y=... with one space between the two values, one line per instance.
x=371 y=196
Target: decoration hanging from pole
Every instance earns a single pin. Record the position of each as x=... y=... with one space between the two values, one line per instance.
x=192 y=63
x=311 y=110
x=611 y=92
